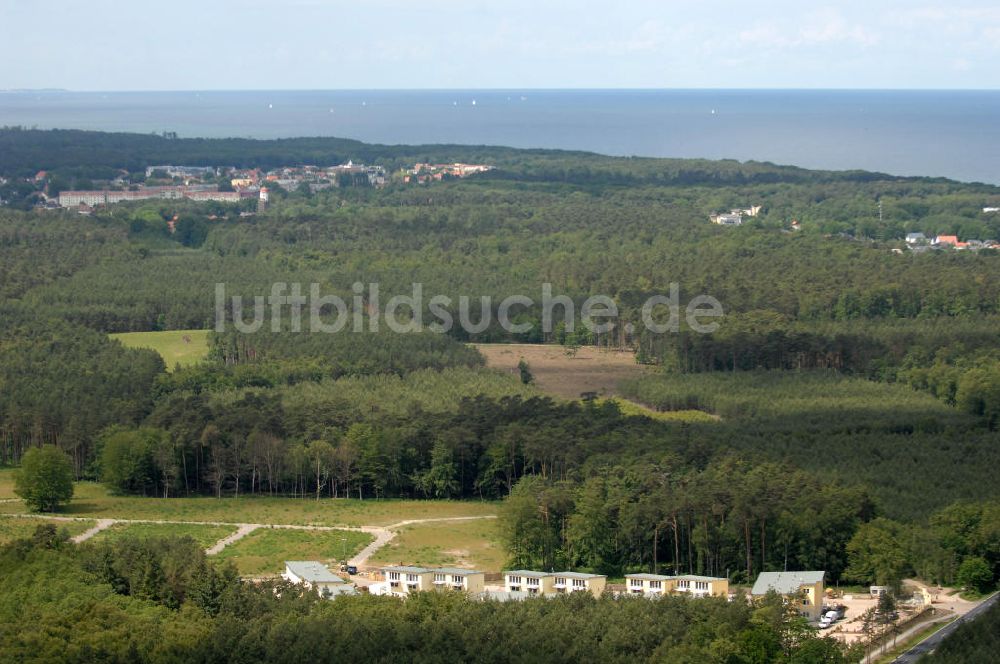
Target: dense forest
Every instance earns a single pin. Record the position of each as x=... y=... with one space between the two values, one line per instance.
x=854 y=385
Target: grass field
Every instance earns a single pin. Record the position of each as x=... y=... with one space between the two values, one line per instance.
x=459 y=543
x=264 y=550
x=206 y=535
x=632 y=408
x=183 y=347
x=12 y=528
x=7 y=484
x=93 y=501
x=559 y=374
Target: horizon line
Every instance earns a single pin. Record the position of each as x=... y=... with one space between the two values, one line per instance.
x=510 y=89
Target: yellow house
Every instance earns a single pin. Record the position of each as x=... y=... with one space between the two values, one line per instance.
x=463 y=580
x=528 y=581
x=404 y=579
x=571 y=582
x=649 y=585
x=804 y=588
x=701 y=586
x=655 y=585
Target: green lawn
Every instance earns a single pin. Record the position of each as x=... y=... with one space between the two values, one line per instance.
x=206 y=536
x=12 y=528
x=183 y=347
x=93 y=501
x=472 y=544
x=264 y=551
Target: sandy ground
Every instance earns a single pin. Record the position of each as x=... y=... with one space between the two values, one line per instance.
x=563 y=375
x=944 y=604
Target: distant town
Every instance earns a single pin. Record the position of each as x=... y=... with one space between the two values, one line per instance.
x=233 y=185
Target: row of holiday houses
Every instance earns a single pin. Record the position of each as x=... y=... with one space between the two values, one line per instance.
x=804 y=589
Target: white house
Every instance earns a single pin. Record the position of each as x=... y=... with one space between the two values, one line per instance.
x=727 y=219
x=315 y=575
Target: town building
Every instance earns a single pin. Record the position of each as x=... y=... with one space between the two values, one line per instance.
x=110 y=196
x=949 y=241
x=315 y=575
x=181 y=171
x=727 y=219
x=805 y=589
x=915 y=238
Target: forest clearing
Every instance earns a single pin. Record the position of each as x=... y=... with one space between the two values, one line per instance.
x=176 y=347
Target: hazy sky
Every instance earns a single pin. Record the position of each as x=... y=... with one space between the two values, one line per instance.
x=334 y=44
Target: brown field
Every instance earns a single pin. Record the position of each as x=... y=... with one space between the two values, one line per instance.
x=555 y=372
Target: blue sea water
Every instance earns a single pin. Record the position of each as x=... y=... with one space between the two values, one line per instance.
x=954 y=134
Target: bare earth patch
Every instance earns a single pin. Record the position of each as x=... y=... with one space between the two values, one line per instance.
x=564 y=375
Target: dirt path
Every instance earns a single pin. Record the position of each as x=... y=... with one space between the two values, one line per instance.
x=240 y=533
x=102 y=524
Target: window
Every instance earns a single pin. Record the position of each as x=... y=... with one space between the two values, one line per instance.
x=394 y=576
x=439 y=578
x=532 y=582
x=683 y=583
x=457 y=579
x=411 y=578
x=514 y=580
x=560 y=581
x=637 y=583
x=656 y=585
x=579 y=584
x=701 y=585
x=805 y=601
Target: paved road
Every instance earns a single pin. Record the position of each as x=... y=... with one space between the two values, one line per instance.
x=929 y=644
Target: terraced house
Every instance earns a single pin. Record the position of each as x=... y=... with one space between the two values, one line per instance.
x=655 y=585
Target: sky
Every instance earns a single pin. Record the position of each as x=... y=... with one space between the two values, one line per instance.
x=419 y=44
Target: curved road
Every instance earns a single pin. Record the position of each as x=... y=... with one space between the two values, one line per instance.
x=929 y=644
